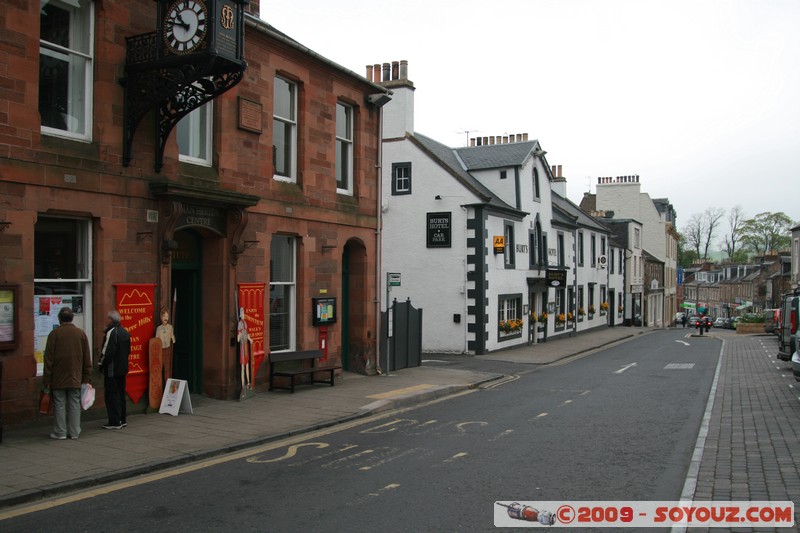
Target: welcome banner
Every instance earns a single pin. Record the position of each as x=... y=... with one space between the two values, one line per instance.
x=136 y=306
x=251 y=299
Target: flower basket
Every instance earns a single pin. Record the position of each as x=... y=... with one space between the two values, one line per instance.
x=620 y=309
x=603 y=307
x=560 y=319
x=581 y=311
x=570 y=316
x=543 y=318
x=511 y=326
x=591 y=309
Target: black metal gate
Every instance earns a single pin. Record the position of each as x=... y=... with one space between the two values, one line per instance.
x=404 y=346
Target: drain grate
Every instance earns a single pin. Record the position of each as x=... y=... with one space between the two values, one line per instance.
x=679 y=366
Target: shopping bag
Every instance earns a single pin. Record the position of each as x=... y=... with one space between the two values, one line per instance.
x=45 y=401
x=87 y=396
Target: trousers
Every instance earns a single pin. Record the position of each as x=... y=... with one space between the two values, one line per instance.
x=115 y=400
x=63 y=400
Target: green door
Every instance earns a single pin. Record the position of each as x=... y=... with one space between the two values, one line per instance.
x=186 y=321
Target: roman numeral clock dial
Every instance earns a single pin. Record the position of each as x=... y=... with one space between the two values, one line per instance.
x=185 y=26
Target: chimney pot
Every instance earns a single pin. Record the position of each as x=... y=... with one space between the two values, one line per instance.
x=472 y=142
x=376 y=76
x=505 y=139
x=369 y=72
x=387 y=72
x=525 y=137
x=395 y=70
x=559 y=171
x=403 y=69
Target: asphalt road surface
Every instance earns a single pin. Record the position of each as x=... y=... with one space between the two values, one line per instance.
x=619 y=424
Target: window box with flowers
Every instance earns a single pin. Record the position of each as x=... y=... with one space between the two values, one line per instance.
x=591 y=311
x=603 y=308
x=561 y=321
x=620 y=309
x=512 y=327
x=581 y=314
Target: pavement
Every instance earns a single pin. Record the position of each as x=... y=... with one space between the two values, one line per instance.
x=750 y=440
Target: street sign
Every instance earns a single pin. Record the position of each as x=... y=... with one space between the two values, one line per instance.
x=393 y=279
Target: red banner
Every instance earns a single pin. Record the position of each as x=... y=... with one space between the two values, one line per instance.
x=137 y=308
x=251 y=299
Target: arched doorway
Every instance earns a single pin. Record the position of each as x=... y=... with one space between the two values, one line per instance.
x=186 y=301
x=356 y=337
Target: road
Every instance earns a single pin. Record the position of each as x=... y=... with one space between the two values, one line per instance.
x=619 y=424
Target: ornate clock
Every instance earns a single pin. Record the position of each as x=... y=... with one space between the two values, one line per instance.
x=185 y=26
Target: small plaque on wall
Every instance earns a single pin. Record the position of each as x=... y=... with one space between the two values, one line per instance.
x=249 y=115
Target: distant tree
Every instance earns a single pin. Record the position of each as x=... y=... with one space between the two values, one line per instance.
x=685 y=257
x=700 y=230
x=732 y=240
x=710 y=223
x=766 y=232
x=740 y=256
x=693 y=233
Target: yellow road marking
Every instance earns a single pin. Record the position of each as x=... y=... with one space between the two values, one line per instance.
x=400 y=392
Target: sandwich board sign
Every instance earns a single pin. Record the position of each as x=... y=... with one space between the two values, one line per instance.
x=176 y=398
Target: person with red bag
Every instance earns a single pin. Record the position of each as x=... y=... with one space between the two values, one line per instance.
x=67 y=365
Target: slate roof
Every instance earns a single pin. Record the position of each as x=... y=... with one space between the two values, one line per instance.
x=496 y=155
x=583 y=218
x=447 y=157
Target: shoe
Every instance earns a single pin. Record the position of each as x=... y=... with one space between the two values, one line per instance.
x=73 y=437
x=57 y=437
x=123 y=425
x=109 y=426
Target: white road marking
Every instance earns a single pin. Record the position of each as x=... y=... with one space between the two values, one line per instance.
x=624 y=368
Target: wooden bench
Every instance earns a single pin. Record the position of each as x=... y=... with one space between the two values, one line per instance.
x=292 y=373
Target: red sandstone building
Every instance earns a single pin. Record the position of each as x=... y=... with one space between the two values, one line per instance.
x=143 y=146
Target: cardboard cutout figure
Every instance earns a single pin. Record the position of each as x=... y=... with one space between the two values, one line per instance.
x=167 y=336
x=245 y=350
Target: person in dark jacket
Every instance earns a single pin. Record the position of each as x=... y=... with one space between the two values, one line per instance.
x=114 y=367
x=67 y=365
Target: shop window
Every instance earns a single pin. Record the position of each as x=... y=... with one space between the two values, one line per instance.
x=509 y=313
x=282 y=291
x=195 y=136
x=284 y=130
x=62 y=276
x=344 y=149
x=65 y=67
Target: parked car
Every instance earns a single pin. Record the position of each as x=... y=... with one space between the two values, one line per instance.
x=796 y=360
x=720 y=322
x=789 y=312
x=678 y=320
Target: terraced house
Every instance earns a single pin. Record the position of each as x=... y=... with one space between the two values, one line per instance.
x=186 y=156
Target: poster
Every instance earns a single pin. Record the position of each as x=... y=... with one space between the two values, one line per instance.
x=6 y=316
x=45 y=320
x=251 y=299
x=136 y=306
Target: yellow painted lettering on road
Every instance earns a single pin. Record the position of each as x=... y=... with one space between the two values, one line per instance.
x=290 y=452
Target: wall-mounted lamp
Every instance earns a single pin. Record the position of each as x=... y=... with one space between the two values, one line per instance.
x=437 y=197
x=3 y=225
x=379 y=99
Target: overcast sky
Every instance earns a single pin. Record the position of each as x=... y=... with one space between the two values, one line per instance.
x=700 y=98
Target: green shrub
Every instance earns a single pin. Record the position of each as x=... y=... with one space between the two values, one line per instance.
x=751 y=318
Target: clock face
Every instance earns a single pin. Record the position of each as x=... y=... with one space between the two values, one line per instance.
x=185 y=25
